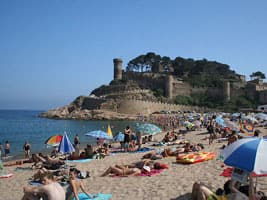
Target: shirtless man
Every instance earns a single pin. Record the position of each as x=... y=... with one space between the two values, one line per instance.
x=50 y=190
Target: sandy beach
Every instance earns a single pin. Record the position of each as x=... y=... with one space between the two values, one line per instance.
x=173 y=183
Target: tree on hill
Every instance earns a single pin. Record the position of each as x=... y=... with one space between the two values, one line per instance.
x=257 y=74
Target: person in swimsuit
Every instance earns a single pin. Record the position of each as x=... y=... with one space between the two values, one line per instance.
x=27 y=149
x=75 y=185
x=120 y=170
x=7 y=148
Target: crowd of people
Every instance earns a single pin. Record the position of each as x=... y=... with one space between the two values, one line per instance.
x=51 y=169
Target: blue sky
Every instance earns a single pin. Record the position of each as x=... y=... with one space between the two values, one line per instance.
x=53 y=51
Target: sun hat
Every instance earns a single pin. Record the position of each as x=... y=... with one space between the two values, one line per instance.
x=147 y=168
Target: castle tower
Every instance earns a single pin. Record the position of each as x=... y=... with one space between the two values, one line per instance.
x=157 y=67
x=227 y=91
x=117 y=68
x=169 y=86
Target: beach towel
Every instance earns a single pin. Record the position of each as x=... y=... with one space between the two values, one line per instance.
x=121 y=150
x=35 y=183
x=227 y=172
x=99 y=196
x=79 y=160
x=152 y=172
x=6 y=175
x=145 y=149
x=195 y=157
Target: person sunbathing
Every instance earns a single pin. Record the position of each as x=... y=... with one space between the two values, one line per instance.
x=154 y=155
x=50 y=163
x=75 y=186
x=120 y=170
x=59 y=175
x=231 y=191
x=140 y=164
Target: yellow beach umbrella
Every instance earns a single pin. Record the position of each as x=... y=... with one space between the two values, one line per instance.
x=109 y=131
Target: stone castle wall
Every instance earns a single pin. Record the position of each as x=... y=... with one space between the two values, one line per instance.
x=146 y=80
x=133 y=106
x=181 y=88
x=148 y=107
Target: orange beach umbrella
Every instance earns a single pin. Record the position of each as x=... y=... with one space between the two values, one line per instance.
x=54 y=140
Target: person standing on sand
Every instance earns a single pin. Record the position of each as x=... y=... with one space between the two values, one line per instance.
x=7 y=148
x=127 y=138
x=139 y=139
x=51 y=190
x=27 y=149
x=76 y=141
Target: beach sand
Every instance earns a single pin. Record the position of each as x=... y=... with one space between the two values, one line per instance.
x=173 y=183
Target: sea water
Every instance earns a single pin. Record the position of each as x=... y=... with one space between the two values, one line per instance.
x=18 y=126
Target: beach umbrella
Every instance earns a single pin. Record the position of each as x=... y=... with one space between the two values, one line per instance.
x=261 y=116
x=250 y=118
x=109 y=131
x=54 y=140
x=65 y=145
x=236 y=115
x=119 y=137
x=232 y=125
x=99 y=134
x=147 y=128
x=249 y=154
x=219 y=120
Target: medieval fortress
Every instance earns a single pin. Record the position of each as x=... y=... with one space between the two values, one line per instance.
x=131 y=92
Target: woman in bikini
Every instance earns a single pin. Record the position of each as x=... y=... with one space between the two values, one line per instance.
x=120 y=170
x=75 y=186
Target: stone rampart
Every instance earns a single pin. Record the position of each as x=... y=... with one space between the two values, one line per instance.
x=148 y=107
x=147 y=80
x=126 y=92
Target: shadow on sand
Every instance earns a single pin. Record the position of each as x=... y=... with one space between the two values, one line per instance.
x=186 y=196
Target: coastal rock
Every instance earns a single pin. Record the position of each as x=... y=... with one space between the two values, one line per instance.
x=63 y=113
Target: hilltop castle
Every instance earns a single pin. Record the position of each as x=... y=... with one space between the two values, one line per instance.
x=171 y=85
x=133 y=92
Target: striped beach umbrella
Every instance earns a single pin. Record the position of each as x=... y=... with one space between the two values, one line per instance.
x=147 y=128
x=54 y=140
x=249 y=154
x=65 y=145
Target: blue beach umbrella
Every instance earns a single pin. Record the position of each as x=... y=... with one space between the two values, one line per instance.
x=147 y=128
x=99 y=134
x=65 y=145
x=219 y=120
x=249 y=154
x=261 y=116
x=119 y=137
